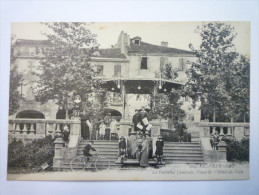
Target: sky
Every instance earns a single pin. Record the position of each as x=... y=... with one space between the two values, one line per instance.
x=177 y=34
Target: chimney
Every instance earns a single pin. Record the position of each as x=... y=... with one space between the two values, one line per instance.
x=164 y=44
x=123 y=42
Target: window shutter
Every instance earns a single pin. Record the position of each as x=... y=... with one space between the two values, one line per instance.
x=184 y=64
x=180 y=64
x=117 y=70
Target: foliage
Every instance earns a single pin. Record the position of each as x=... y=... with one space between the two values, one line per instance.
x=32 y=154
x=168 y=104
x=167 y=72
x=172 y=136
x=16 y=79
x=215 y=78
x=66 y=71
x=237 y=151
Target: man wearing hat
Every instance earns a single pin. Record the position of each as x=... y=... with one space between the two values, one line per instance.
x=144 y=121
x=159 y=149
x=135 y=120
x=122 y=148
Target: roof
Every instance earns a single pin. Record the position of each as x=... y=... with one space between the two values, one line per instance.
x=32 y=42
x=111 y=53
x=149 y=48
x=104 y=53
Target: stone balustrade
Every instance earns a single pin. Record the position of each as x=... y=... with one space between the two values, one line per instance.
x=24 y=128
x=235 y=129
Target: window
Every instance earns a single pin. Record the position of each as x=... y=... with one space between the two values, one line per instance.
x=143 y=63
x=182 y=64
x=137 y=42
x=99 y=70
x=32 y=51
x=117 y=70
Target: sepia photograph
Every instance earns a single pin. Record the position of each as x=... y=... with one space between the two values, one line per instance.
x=129 y=101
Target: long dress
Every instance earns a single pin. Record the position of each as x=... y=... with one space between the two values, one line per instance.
x=144 y=155
x=85 y=132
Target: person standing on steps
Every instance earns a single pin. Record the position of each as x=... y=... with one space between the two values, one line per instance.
x=180 y=130
x=122 y=149
x=159 y=149
x=102 y=129
x=145 y=122
x=85 y=126
x=114 y=127
x=135 y=120
x=144 y=153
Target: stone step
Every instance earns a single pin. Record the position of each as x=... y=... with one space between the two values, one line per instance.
x=182 y=148
x=182 y=144
x=168 y=162
x=173 y=151
x=103 y=151
x=182 y=154
x=99 y=142
x=184 y=158
x=66 y=167
x=167 y=142
x=101 y=154
x=100 y=146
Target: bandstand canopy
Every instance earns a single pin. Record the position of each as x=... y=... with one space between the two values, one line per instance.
x=141 y=85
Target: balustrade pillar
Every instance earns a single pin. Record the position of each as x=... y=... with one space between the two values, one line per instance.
x=25 y=129
x=221 y=131
x=229 y=131
x=11 y=127
x=50 y=129
x=32 y=129
x=58 y=127
x=17 y=128
x=213 y=130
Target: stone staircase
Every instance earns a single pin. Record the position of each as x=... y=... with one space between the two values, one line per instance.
x=182 y=152
x=174 y=153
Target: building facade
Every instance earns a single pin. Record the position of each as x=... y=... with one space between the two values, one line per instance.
x=131 y=69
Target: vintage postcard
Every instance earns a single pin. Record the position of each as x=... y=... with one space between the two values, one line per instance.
x=129 y=101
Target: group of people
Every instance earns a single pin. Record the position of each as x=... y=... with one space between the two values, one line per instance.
x=139 y=147
x=140 y=121
x=87 y=127
x=113 y=126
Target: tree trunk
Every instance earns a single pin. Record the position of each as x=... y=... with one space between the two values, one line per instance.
x=244 y=117
x=214 y=114
x=66 y=113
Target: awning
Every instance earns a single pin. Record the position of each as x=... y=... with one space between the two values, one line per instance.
x=140 y=85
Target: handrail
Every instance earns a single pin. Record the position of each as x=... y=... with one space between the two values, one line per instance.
x=223 y=124
x=54 y=121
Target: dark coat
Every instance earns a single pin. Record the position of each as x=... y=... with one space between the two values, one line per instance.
x=122 y=145
x=85 y=132
x=136 y=119
x=61 y=114
x=159 y=147
x=87 y=149
x=180 y=129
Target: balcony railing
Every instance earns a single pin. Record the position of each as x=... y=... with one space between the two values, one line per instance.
x=226 y=129
x=38 y=126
